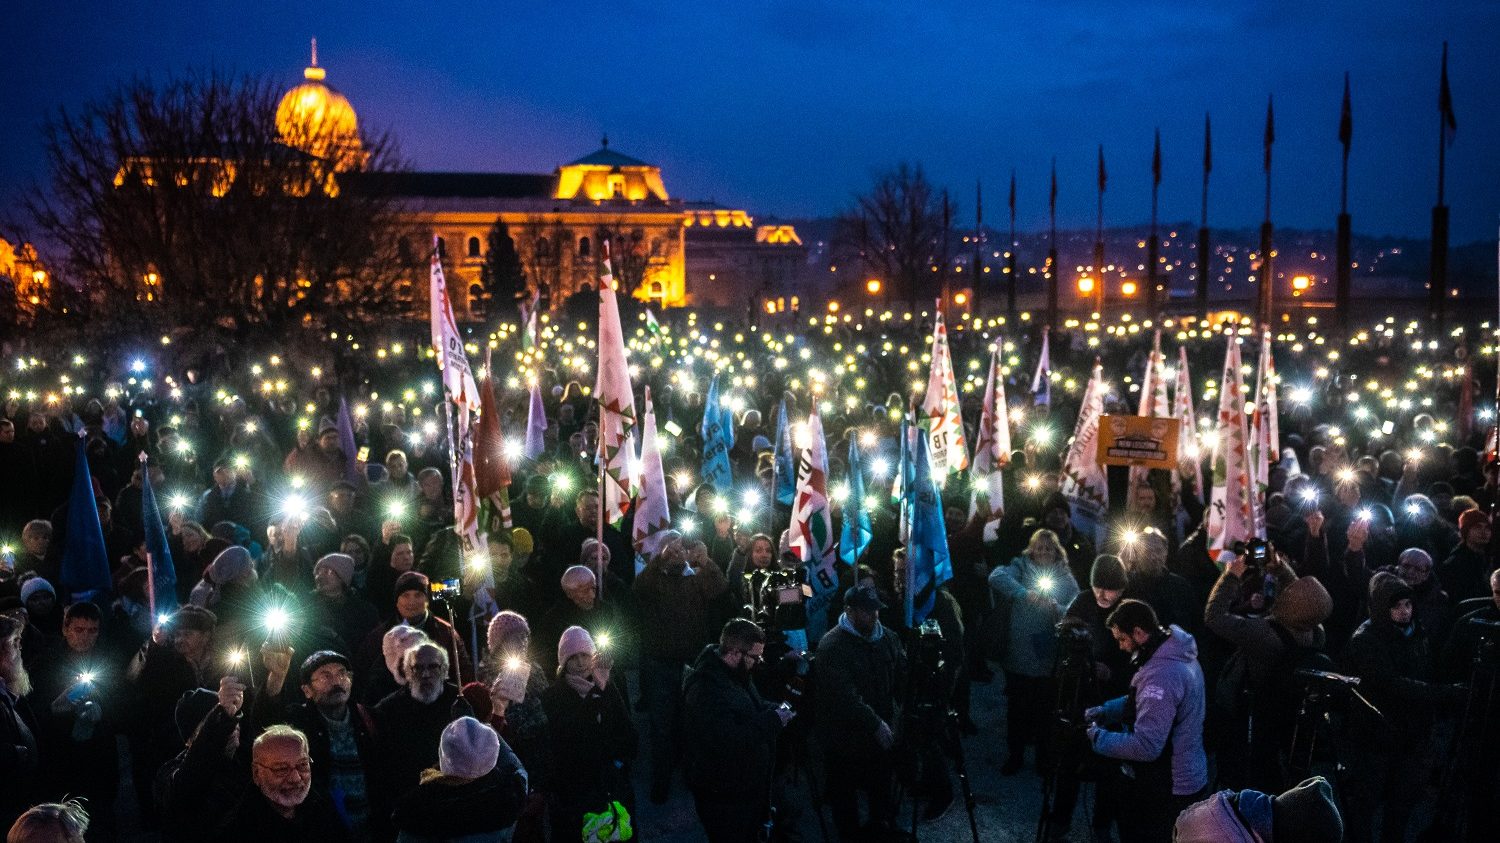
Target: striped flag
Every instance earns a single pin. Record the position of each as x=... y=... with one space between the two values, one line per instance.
x=993 y=452
x=1084 y=482
x=616 y=402
x=941 y=418
x=1041 y=382
x=1230 y=515
x=1153 y=402
x=812 y=536
x=1265 y=432
x=652 y=515
x=1189 y=461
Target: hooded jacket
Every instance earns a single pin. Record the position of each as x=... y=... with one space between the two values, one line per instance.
x=446 y=809
x=1169 y=705
x=859 y=682
x=728 y=731
x=1033 y=636
x=1395 y=666
x=1227 y=817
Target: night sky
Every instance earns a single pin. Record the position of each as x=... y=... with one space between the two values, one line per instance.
x=785 y=108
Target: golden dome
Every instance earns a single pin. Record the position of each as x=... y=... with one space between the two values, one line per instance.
x=318 y=120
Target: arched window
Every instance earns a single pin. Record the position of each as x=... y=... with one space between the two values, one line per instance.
x=583 y=247
x=476 y=300
x=473 y=247
x=543 y=248
x=657 y=290
x=656 y=247
x=442 y=247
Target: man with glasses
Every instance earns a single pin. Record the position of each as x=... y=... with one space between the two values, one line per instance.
x=284 y=805
x=409 y=722
x=339 y=735
x=729 y=735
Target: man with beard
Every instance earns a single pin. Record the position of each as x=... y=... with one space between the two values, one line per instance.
x=283 y=806
x=19 y=760
x=339 y=736
x=729 y=735
x=409 y=722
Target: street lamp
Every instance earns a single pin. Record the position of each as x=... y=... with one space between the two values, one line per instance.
x=872 y=286
x=1129 y=288
x=1085 y=286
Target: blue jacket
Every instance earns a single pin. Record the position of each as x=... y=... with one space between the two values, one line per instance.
x=1033 y=635
x=1227 y=817
x=1169 y=703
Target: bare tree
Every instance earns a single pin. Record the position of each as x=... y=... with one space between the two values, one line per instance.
x=895 y=230
x=185 y=201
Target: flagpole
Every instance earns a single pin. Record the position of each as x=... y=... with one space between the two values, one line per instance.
x=151 y=587
x=599 y=527
x=1204 y=253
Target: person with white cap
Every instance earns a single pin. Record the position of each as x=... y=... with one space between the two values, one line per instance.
x=474 y=794
x=590 y=734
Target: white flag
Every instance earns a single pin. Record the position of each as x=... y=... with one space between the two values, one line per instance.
x=993 y=452
x=1041 y=382
x=616 y=402
x=1150 y=404
x=1189 y=456
x=1230 y=517
x=1265 y=435
x=812 y=536
x=1084 y=482
x=652 y=515
x=940 y=411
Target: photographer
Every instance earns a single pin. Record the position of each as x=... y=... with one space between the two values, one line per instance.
x=858 y=673
x=1157 y=728
x=729 y=735
x=1259 y=690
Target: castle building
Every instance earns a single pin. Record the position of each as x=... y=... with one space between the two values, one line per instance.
x=662 y=249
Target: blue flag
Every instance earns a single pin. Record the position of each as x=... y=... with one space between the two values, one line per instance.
x=786 y=466
x=352 y=471
x=85 y=562
x=163 y=572
x=857 y=532
x=927 y=562
x=716 y=430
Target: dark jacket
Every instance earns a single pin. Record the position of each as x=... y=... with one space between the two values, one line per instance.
x=1466 y=574
x=1395 y=668
x=444 y=809
x=19 y=760
x=197 y=789
x=369 y=662
x=728 y=731
x=305 y=718
x=407 y=737
x=859 y=684
x=255 y=821
x=351 y=618
x=591 y=738
x=678 y=610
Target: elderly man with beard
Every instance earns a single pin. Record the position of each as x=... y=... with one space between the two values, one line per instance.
x=284 y=806
x=409 y=723
x=19 y=761
x=729 y=735
x=339 y=735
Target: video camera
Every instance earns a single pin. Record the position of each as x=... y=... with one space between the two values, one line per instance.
x=776 y=601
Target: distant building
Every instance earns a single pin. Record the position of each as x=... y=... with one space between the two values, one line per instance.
x=662 y=250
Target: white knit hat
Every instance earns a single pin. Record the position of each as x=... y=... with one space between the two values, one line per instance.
x=396 y=641
x=469 y=749
x=575 y=640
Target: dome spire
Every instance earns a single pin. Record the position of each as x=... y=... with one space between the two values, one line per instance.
x=313 y=72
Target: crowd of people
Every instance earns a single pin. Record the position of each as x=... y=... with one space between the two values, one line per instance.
x=324 y=668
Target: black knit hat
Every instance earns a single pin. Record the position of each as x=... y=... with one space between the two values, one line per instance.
x=412 y=581
x=311 y=664
x=1108 y=572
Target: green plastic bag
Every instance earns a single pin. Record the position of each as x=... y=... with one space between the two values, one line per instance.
x=611 y=824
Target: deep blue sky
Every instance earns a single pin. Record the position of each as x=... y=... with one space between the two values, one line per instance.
x=786 y=106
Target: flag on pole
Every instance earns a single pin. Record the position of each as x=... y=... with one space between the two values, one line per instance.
x=85 y=562
x=616 y=402
x=993 y=453
x=1265 y=432
x=1151 y=404
x=491 y=465
x=1445 y=103
x=462 y=398
x=857 y=532
x=1041 y=382
x=652 y=515
x=784 y=462
x=1156 y=159
x=354 y=472
x=158 y=551
x=716 y=431
x=1084 y=482
x=941 y=419
x=1189 y=460
x=528 y=308
x=1346 y=118
x=928 y=564
x=1230 y=515
x=536 y=424
x=1270 y=130
x=812 y=524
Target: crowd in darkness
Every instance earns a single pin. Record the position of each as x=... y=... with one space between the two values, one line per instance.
x=324 y=675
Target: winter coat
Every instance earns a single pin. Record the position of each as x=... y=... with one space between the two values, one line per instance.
x=19 y=761
x=1168 y=696
x=1102 y=644
x=678 y=609
x=195 y=790
x=1299 y=609
x=255 y=821
x=1466 y=574
x=407 y=737
x=1227 y=817
x=1395 y=668
x=1032 y=642
x=369 y=661
x=1173 y=598
x=728 y=731
x=351 y=618
x=305 y=718
x=444 y=809
x=860 y=684
x=591 y=739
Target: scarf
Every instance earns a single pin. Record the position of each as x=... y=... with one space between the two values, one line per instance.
x=848 y=626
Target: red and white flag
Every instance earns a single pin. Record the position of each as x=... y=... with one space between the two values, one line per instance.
x=1231 y=516
x=1189 y=455
x=1265 y=433
x=652 y=515
x=1153 y=401
x=1084 y=482
x=940 y=411
x=616 y=402
x=993 y=453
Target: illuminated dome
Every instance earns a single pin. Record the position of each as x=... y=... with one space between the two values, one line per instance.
x=318 y=120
